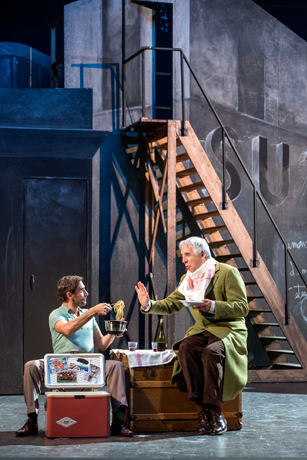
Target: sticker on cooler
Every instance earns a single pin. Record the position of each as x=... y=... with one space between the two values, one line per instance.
x=66 y=422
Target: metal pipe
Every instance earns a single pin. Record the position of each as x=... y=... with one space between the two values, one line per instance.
x=123 y=97
x=53 y=56
x=224 y=172
x=123 y=62
x=151 y=48
x=287 y=319
x=255 y=227
x=143 y=83
x=183 y=129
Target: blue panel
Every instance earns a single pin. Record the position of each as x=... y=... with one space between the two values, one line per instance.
x=46 y=108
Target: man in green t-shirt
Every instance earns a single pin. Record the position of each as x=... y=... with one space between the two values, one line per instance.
x=73 y=327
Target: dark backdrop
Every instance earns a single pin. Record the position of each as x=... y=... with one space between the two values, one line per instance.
x=28 y=22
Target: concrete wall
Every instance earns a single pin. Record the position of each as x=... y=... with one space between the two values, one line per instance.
x=253 y=70
x=93 y=55
x=46 y=137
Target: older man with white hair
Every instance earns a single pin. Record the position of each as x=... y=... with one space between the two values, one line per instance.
x=212 y=356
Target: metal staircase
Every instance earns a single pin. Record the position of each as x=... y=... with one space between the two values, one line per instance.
x=190 y=199
x=187 y=192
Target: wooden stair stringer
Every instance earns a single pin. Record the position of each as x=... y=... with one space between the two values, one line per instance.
x=243 y=241
x=277 y=375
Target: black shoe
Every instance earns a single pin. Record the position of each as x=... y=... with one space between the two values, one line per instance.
x=203 y=425
x=30 y=428
x=119 y=428
x=218 y=424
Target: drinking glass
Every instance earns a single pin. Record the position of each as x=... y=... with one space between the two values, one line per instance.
x=132 y=346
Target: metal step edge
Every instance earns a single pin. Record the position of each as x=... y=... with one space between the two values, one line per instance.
x=285 y=352
x=272 y=337
x=266 y=325
x=289 y=365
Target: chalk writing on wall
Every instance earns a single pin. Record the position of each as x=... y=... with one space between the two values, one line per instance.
x=292 y=272
x=299 y=291
x=297 y=245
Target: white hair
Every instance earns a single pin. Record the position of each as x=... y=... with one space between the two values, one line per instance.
x=198 y=245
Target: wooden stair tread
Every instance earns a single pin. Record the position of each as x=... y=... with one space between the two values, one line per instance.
x=190 y=187
x=199 y=201
x=218 y=244
x=206 y=215
x=147 y=126
x=186 y=172
x=210 y=230
x=227 y=257
x=132 y=149
x=182 y=157
x=164 y=145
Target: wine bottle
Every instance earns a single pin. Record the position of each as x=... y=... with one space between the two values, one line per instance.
x=161 y=338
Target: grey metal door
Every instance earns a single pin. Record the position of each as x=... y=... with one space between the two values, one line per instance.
x=55 y=244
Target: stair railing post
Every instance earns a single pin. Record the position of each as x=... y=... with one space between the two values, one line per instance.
x=171 y=221
x=143 y=83
x=184 y=131
x=255 y=263
x=123 y=97
x=224 y=203
x=287 y=319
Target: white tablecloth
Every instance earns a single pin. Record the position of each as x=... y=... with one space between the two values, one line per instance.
x=143 y=358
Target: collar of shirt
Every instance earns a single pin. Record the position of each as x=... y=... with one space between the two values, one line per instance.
x=68 y=310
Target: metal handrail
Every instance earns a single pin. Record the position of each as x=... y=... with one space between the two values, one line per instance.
x=254 y=261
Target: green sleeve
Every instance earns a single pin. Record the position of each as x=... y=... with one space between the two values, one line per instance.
x=235 y=304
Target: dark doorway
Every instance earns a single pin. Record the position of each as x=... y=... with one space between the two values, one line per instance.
x=163 y=81
x=55 y=244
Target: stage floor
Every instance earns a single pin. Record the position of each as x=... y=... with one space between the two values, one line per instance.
x=274 y=423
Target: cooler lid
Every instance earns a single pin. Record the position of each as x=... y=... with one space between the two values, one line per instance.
x=72 y=394
x=74 y=370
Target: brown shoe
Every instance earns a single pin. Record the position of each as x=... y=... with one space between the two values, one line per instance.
x=203 y=425
x=218 y=424
x=30 y=428
x=119 y=428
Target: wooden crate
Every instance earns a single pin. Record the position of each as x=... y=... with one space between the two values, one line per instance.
x=155 y=405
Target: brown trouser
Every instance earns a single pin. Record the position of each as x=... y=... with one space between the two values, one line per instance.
x=202 y=361
x=34 y=376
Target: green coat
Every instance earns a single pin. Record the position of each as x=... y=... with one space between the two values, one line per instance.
x=228 y=291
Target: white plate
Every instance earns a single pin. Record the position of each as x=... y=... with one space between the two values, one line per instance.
x=190 y=303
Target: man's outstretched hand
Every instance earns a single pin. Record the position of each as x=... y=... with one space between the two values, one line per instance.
x=142 y=295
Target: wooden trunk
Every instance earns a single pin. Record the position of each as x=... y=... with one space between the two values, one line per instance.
x=155 y=405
